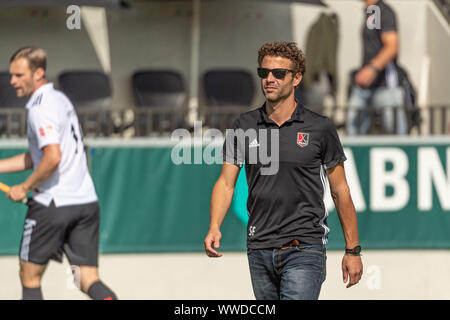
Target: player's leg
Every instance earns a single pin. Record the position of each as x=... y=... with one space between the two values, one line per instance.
x=265 y=280
x=30 y=277
x=358 y=119
x=391 y=100
x=303 y=272
x=81 y=249
x=92 y=285
x=88 y=279
x=41 y=241
x=88 y=275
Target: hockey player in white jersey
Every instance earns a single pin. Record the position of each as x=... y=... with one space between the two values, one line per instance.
x=63 y=213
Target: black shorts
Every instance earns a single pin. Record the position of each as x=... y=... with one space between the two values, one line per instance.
x=50 y=231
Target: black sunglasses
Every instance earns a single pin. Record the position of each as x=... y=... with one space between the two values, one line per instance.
x=278 y=73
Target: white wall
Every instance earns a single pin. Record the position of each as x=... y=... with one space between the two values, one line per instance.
x=438 y=49
x=150 y=35
x=45 y=28
x=233 y=31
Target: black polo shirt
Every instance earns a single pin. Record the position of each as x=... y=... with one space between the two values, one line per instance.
x=286 y=204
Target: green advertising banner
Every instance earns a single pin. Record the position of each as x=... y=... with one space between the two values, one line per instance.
x=153 y=203
x=401 y=194
x=12 y=215
x=150 y=204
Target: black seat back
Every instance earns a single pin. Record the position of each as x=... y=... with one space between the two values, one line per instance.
x=229 y=88
x=86 y=88
x=158 y=88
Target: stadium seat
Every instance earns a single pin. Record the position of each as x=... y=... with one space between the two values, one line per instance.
x=86 y=88
x=12 y=108
x=158 y=88
x=229 y=88
x=228 y=92
x=90 y=93
x=160 y=97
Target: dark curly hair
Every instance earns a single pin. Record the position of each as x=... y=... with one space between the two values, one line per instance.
x=287 y=50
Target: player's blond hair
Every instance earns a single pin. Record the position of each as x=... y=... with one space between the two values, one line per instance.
x=36 y=57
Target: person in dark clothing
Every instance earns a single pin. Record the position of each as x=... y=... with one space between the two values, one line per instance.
x=377 y=82
x=287 y=228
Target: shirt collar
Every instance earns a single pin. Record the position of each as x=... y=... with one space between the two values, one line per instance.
x=297 y=115
x=38 y=92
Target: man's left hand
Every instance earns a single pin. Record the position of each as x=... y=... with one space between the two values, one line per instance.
x=17 y=193
x=352 y=268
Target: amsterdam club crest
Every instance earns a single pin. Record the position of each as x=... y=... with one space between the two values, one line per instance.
x=302 y=139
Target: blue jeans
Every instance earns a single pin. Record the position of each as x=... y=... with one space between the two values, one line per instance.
x=386 y=99
x=295 y=273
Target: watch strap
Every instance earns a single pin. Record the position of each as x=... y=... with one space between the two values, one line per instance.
x=356 y=251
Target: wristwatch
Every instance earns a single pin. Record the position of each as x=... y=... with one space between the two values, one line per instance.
x=356 y=251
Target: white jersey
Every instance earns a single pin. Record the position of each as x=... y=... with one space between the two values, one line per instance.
x=52 y=120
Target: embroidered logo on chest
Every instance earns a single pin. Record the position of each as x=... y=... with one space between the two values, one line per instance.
x=302 y=139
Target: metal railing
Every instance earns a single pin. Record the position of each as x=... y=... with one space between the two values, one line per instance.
x=379 y=120
x=430 y=120
x=142 y=122
x=13 y=122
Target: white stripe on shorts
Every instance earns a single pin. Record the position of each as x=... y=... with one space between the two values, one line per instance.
x=26 y=238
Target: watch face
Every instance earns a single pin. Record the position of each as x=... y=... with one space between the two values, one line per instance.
x=355 y=250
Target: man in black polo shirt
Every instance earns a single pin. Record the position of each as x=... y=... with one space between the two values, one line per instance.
x=287 y=228
x=377 y=82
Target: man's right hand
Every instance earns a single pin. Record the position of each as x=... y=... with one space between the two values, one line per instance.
x=365 y=77
x=212 y=241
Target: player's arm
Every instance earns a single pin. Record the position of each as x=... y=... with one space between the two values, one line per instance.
x=351 y=265
x=221 y=197
x=387 y=54
x=340 y=193
x=389 y=50
x=20 y=162
x=50 y=160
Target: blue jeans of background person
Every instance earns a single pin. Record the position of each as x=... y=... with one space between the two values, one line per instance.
x=295 y=273
x=389 y=100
